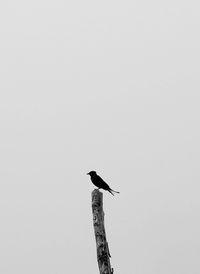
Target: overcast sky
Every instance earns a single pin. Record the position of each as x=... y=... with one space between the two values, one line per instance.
x=111 y=86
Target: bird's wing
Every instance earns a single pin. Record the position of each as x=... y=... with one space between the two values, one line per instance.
x=102 y=183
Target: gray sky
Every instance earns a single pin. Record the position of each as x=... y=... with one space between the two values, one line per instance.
x=111 y=86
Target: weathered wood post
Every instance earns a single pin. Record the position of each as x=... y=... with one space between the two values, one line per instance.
x=103 y=254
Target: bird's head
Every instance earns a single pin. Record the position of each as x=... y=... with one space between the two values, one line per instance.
x=91 y=173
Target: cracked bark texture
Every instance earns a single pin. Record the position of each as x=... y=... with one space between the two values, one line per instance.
x=103 y=254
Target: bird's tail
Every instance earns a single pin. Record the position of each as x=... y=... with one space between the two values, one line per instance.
x=111 y=191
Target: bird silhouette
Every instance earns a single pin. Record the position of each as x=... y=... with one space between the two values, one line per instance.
x=99 y=182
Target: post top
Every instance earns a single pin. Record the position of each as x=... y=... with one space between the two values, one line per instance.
x=97 y=197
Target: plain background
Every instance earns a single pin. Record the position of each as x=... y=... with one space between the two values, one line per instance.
x=111 y=86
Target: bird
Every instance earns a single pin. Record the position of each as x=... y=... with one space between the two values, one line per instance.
x=99 y=182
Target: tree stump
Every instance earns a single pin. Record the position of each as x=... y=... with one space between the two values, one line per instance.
x=103 y=254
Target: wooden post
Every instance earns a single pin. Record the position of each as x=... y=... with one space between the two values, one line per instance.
x=103 y=254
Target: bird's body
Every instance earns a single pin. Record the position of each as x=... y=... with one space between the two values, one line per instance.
x=99 y=182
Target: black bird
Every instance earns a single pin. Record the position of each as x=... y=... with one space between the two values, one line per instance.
x=99 y=182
